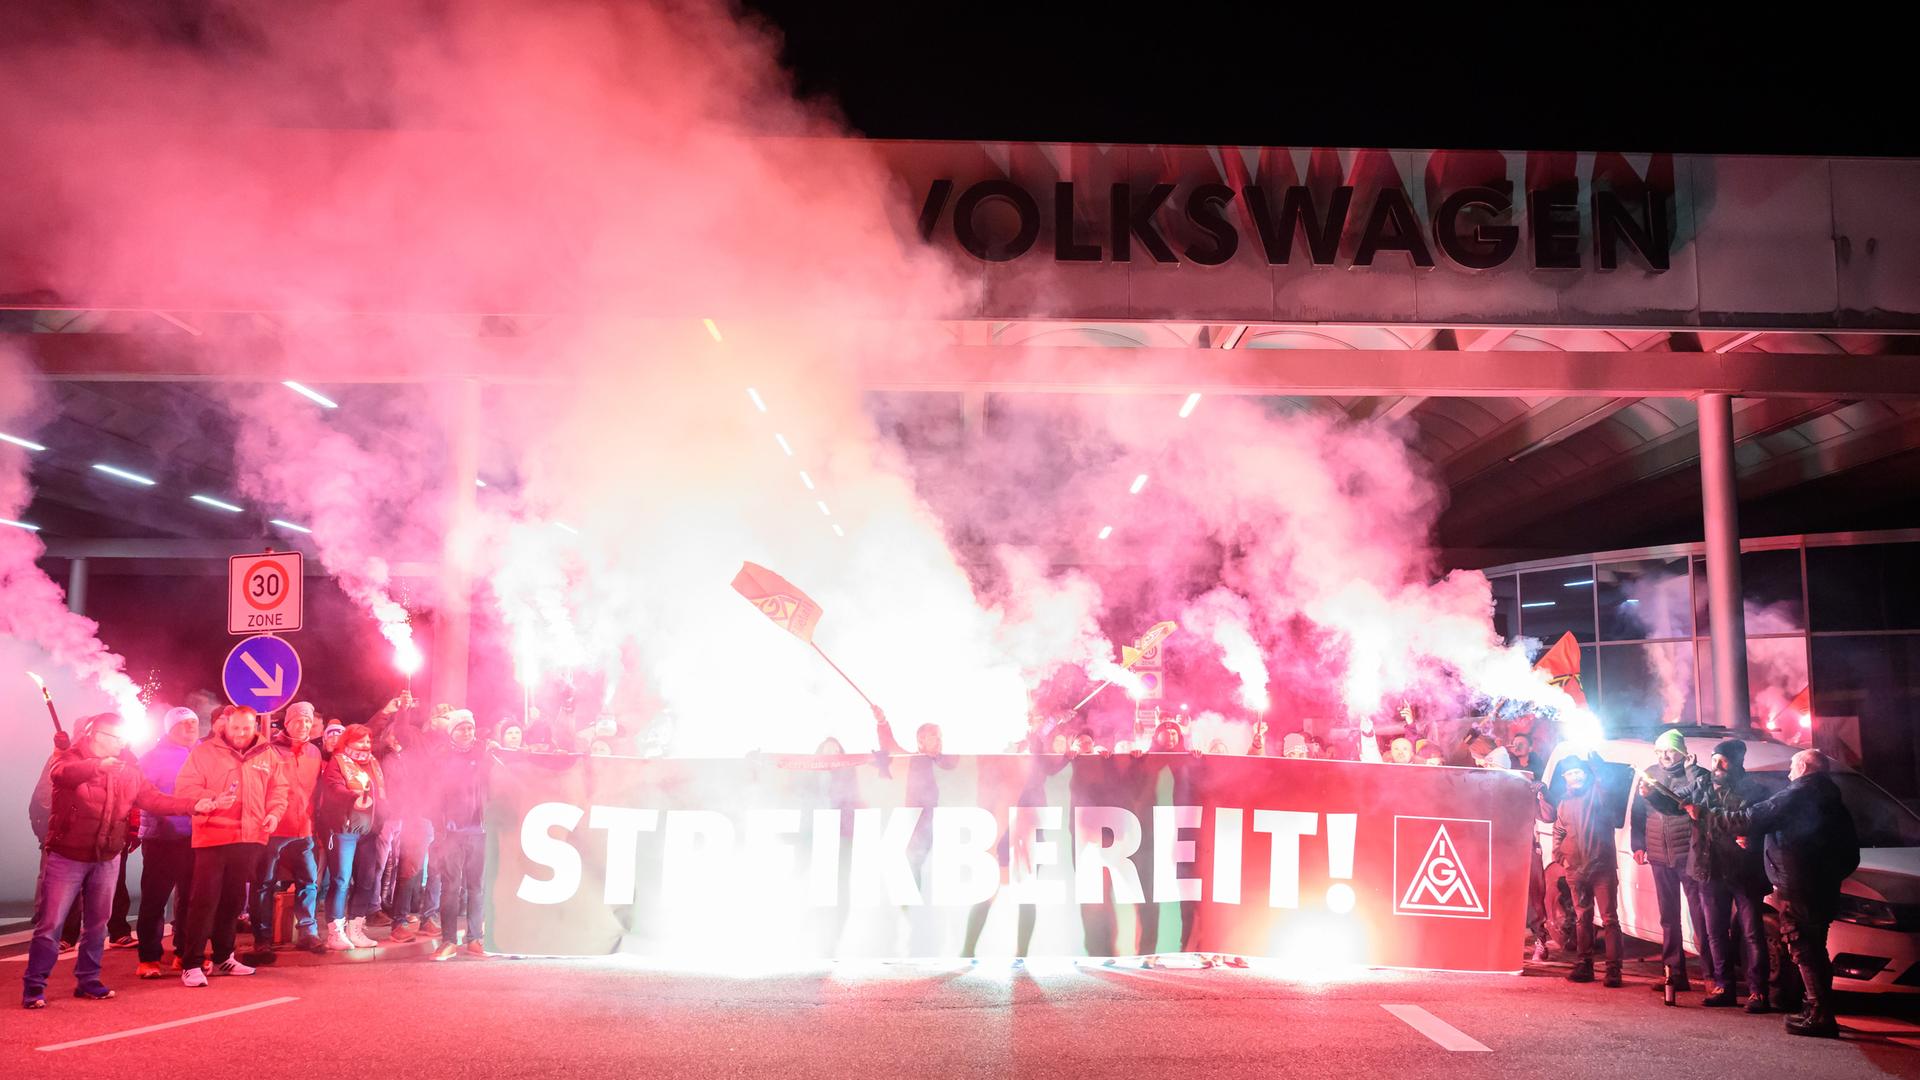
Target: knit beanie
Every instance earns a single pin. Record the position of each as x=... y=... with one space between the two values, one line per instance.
x=1670 y=740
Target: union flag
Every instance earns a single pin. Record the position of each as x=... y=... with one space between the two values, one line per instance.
x=1562 y=666
x=778 y=599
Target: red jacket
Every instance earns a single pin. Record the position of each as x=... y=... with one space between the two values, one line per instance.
x=301 y=762
x=214 y=768
x=93 y=805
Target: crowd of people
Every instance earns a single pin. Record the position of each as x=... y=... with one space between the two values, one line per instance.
x=357 y=825
x=1716 y=838
x=383 y=824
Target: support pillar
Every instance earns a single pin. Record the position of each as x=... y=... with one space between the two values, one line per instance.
x=453 y=616
x=973 y=415
x=77 y=586
x=1719 y=501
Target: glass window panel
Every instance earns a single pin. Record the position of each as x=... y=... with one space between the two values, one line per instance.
x=1646 y=598
x=1642 y=686
x=1776 y=674
x=1770 y=582
x=1864 y=587
x=1866 y=705
x=1506 y=607
x=1553 y=602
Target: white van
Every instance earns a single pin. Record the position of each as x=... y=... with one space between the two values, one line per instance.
x=1876 y=940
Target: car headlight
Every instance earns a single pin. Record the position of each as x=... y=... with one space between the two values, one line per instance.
x=1859 y=909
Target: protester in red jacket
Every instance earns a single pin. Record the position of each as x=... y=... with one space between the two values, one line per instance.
x=95 y=792
x=228 y=842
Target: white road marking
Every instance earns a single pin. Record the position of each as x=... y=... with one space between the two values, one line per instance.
x=169 y=1024
x=1448 y=1036
x=16 y=937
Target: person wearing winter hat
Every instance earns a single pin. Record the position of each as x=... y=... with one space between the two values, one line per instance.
x=1734 y=880
x=1811 y=845
x=1662 y=838
x=1294 y=745
x=1583 y=845
x=166 y=868
x=459 y=803
x=290 y=848
x=352 y=798
x=330 y=739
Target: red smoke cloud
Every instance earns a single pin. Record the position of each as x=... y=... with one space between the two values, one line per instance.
x=555 y=195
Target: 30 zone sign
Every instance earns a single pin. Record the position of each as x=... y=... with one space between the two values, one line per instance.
x=263 y=593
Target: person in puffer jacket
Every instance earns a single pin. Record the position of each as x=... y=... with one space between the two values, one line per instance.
x=1663 y=840
x=228 y=841
x=352 y=798
x=289 y=852
x=95 y=792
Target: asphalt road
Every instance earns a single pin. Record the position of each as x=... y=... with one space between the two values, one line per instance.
x=404 y=1016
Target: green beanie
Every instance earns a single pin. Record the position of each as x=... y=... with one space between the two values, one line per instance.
x=1670 y=740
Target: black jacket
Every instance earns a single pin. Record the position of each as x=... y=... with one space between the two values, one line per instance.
x=461 y=788
x=1717 y=854
x=1811 y=845
x=1661 y=827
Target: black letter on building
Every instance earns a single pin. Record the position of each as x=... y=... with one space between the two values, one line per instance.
x=936 y=201
x=1323 y=237
x=1391 y=205
x=1065 y=249
x=1023 y=206
x=1491 y=244
x=1553 y=216
x=1611 y=222
x=1206 y=208
x=1132 y=219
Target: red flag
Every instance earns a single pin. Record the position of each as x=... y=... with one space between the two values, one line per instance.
x=778 y=599
x=1562 y=665
x=1799 y=711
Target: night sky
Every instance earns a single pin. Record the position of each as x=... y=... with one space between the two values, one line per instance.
x=1619 y=77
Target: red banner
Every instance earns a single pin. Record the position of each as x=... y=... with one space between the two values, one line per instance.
x=1319 y=862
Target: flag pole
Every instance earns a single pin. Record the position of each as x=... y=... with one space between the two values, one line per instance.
x=842 y=674
x=1091 y=696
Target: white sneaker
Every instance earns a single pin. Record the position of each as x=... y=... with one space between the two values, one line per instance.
x=357 y=933
x=231 y=966
x=193 y=976
x=337 y=936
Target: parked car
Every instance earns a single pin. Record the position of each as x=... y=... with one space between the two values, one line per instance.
x=1876 y=940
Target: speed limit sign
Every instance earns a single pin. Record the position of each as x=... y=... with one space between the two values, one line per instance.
x=263 y=593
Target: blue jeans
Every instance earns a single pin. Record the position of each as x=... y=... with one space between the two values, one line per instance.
x=1731 y=911
x=294 y=855
x=356 y=871
x=62 y=882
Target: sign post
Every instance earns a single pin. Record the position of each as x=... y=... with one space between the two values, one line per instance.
x=261 y=673
x=264 y=593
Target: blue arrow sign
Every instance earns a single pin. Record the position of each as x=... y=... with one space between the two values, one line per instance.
x=262 y=673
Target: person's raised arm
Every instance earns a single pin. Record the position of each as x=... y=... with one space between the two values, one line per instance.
x=72 y=770
x=883 y=731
